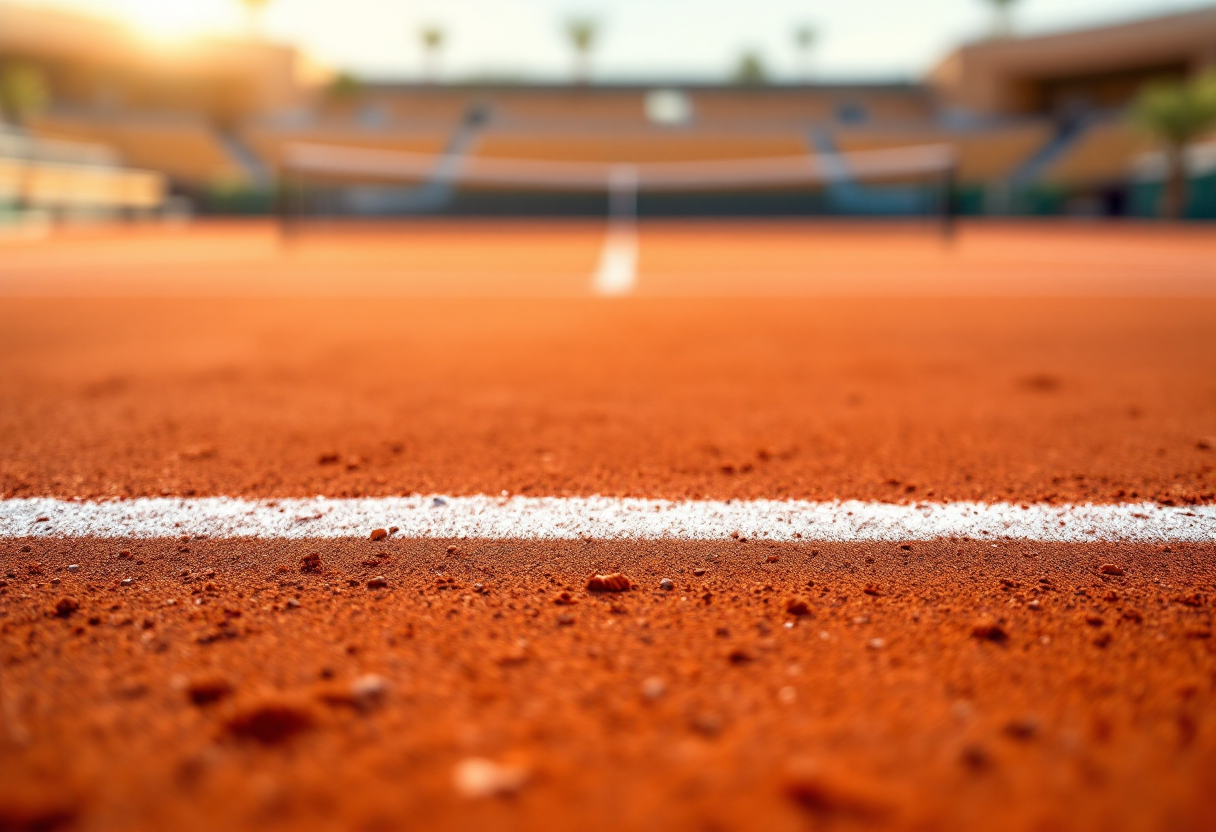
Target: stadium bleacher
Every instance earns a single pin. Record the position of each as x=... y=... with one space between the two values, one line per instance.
x=983 y=155
x=623 y=108
x=1104 y=152
x=270 y=143
x=805 y=105
x=183 y=147
x=65 y=186
x=421 y=108
x=67 y=176
x=637 y=145
x=221 y=121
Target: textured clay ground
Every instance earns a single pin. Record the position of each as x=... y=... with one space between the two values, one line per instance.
x=950 y=685
x=955 y=685
x=888 y=399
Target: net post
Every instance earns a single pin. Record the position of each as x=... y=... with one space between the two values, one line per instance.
x=283 y=203
x=948 y=207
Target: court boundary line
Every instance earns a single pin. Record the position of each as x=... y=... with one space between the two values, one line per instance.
x=604 y=518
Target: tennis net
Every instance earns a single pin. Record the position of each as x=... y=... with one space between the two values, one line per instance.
x=325 y=182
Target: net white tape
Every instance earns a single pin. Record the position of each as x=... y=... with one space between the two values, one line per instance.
x=808 y=168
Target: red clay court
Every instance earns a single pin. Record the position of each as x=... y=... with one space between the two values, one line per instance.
x=430 y=440
x=250 y=662
x=531 y=257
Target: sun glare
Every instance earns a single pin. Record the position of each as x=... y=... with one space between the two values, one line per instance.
x=173 y=20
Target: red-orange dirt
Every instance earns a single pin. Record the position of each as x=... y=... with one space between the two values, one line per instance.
x=954 y=685
x=384 y=684
x=888 y=399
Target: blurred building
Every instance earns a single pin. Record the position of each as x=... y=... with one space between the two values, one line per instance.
x=1074 y=73
x=1081 y=83
x=172 y=108
x=1037 y=122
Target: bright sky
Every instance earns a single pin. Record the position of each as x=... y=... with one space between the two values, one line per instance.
x=640 y=38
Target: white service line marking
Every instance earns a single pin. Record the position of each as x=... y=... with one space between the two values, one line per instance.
x=603 y=518
x=617 y=273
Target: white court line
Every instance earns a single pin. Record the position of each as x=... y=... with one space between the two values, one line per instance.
x=617 y=272
x=603 y=518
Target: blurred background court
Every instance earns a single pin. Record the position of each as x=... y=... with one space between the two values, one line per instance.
x=110 y=119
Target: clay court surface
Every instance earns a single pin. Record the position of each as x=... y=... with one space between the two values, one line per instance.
x=955 y=683
x=530 y=258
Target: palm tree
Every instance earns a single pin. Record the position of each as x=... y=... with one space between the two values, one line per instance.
x=254 y=9
x=750 y=71
x=432 y=41
x=804 y=38
x=582 y=33
x=344 y=87
x=1002 y=20
x=1176 y=114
